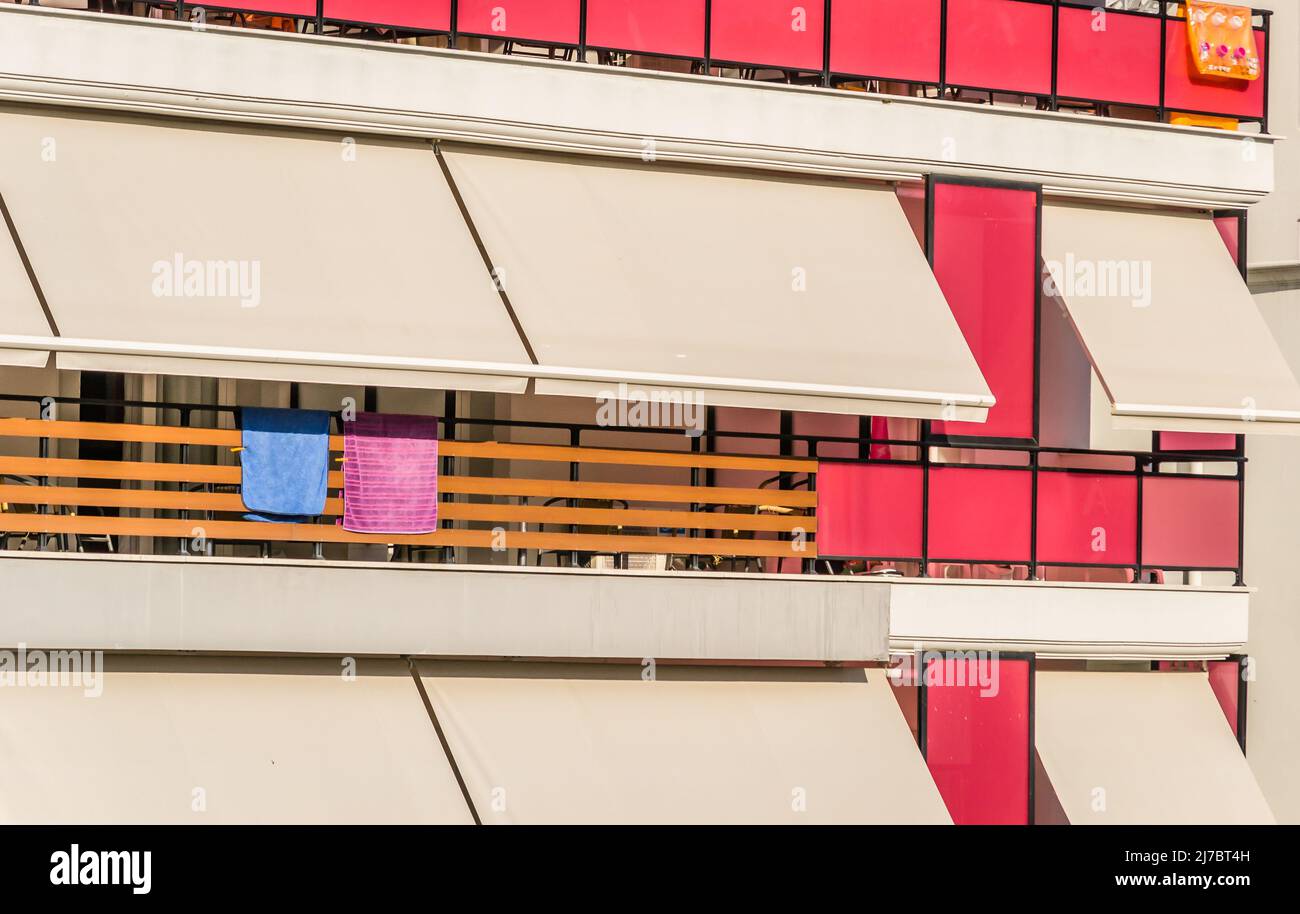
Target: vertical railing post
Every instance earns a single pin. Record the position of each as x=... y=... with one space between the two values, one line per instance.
x=1164 y=50
x=924 y=445
x=810 y=536
x=1268 y=68
x=575 y=440
x=1241 y=519
x=453 y=36
x=943 y=49
x=1139 y=465
x=448 y=465
x=320 y=17
x=1056 y=52
x=582 y=32
x=1033 y=515
x=826 y=44
x=708 y=36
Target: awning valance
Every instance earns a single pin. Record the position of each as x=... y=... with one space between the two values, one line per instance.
x=1167 y=321
x=744 y=289
x=598 y=743
x=1142 y=749
x=174 y=247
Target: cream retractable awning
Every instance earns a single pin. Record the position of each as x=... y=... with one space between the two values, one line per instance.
x=20 y=309
x=1169 y=324
x=176 y=247
x=745 y=289
x=1142 y=749
x=588 y=743
x=208 y=740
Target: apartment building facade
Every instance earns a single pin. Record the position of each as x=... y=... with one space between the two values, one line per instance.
x=843 y=412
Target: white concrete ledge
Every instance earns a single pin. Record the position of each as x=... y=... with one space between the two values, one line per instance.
x=148 y=603
x=1094 y=621
x=151 y=66
x=176 y=603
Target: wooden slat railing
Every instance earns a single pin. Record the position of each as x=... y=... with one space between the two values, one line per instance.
x=753 y=522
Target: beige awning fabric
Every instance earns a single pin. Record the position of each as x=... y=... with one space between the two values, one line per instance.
x=597 y=743
x=166 y=246
x=20 y=309
x=225 y=740
x=742 y=289
x=1168 y=322
x=1142 y=749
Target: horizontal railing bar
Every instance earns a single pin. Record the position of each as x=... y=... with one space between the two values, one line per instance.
x=254 y=531
x=230 y=502
x=65 y=468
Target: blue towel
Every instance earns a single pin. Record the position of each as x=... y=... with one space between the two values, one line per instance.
x=286 y=463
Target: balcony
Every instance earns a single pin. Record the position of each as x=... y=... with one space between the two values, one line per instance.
x=1048 y=53
x=770 y=119
x=839 y=556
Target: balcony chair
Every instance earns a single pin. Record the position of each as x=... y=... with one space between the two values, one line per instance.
x=754 y=562
x=583 y=558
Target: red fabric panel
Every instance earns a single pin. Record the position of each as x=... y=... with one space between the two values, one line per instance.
x=886 y=39
x=1225 y=680
x=1000 y=44
x=671 y=27
x=1189 y=523
x=1188 y=90
x=772 y=33
x=305 y=9
x=977 y=738
x=979 y=515
x=547 y=21
x=1197 y=441
x=986 y=261
x=1119 y=62
x=869 y=510
x=1230 y=231
x=424 y=15
x=1086 y=518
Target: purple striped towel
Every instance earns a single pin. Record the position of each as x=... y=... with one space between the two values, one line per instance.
x=390 y=474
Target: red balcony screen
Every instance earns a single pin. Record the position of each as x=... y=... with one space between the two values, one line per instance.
x=1110 y=59
x=869 y=510
x=1225 y=680
x=1189 y=523
x=1230 y=231
x=421 y=15
x=886 y=39
x=1197 y=442
x=673 y=28
x=1004 y=45
x=545 y=21
x=977 y=738
x=986 y=260
x=1187 y=90
x=979 y=515
x=787 y=34
x=304 y=9
x=1087 y=519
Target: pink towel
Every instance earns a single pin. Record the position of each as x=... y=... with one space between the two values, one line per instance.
x=390 y=474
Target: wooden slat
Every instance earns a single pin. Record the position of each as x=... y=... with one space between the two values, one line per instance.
x=329 y=533
x=157 y=499
x=63 y=468
x=501 y=450
x=496 y=450
x=118 y=431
